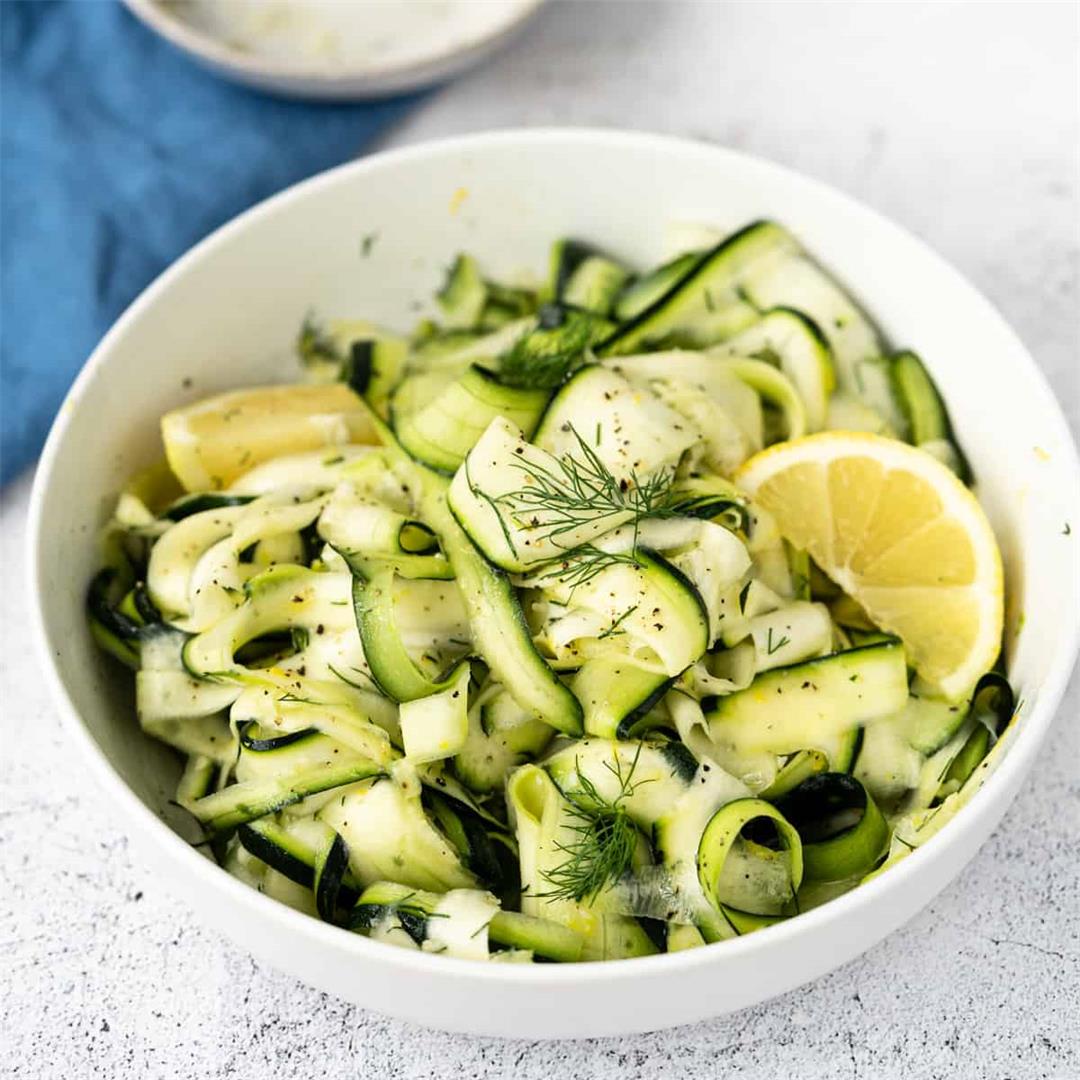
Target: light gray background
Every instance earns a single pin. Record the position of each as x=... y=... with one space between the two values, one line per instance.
x=961 y=122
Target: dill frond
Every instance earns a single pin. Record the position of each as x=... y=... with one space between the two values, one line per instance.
x=604 y=838
x=579 y=489
x=547 y=355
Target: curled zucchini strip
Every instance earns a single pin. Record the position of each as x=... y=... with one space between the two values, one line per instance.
x=314 y=608
x=412 y=567
x=394 y=670
x=992 y=702
x=330 y=871
x=715 y=499
x=548 y=829
x=723 y=839
x=115 y=632
x=776 y=388
x=370 y=524
x=461 y=922
x=834 y=846
x=355 y=526
x=303 y=851
x=992 y=707
x=310 y=854
x=367 y=723
x=258 y=744
x=966 y=761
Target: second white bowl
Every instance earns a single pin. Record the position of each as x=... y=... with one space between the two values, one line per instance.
x=339 y=50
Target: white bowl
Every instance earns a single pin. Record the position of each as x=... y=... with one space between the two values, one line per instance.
x=226 y=315
x=289 y=48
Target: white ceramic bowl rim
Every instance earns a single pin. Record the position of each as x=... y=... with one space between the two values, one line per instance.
x=185 y=37
x=935 y=850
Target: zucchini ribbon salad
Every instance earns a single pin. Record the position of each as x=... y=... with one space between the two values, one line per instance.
x=619 y=615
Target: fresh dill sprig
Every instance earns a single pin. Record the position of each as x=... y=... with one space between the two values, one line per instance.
x=604 y=840
x=544 y=357
x=583 y=563
x=576 y=490
x=579 y=489
x=616 y=623
x=770 y=647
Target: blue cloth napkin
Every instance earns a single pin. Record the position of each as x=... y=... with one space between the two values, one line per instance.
x=116 y=155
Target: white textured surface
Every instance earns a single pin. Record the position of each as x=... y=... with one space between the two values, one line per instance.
x=961 y=122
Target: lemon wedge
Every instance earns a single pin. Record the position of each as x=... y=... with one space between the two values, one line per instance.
x=898 y=532
x=211 y=443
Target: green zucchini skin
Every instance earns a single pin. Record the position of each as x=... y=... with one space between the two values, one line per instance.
x=993 y=702
x=502 y=636
x=115 y=633
x=682 y=315
x=724 y=832
x=830 y=853
x=542 y=936
x=929 y=425
x=441 y=433
x=965 y=762
x=395 y=672
x=330 y=872
x=196 y=504
x=992 y=708
x=325 y=872
x=294 y=866
x=482 y=846
x=463 y=294
x=566 y=257
x=582 y=276
x=816 y=704
x=800 y=767
x=223 y=811
x=699 y=498
x=643 y=291
x=471 y=303
x=521 y=668
x=373 y=368
x=276 y=742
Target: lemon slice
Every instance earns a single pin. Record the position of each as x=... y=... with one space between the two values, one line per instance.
x=897 y=531
x=211 y=443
